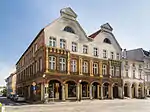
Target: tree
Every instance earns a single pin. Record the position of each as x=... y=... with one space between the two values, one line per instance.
x=4 y=91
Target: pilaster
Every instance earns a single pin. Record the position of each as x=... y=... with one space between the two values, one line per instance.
x=47 y=60
x=80 y=65
x=100 y=69
x=68 y=66
x=91 y=67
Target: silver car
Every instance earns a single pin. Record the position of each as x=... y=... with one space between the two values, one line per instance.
x=19 y=98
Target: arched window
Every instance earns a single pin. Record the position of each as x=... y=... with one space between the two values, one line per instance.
x=106 y=40
x=69 y=29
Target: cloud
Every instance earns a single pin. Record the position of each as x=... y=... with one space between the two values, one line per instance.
x=5 y=70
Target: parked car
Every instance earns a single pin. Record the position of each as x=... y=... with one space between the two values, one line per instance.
x=12 y=96
x=19 y=98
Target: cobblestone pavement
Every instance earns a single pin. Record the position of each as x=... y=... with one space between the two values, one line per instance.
x=126 y=105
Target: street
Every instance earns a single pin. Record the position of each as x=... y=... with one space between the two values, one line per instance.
x=126 y=105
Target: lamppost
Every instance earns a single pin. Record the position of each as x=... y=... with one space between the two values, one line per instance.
x=80 y=89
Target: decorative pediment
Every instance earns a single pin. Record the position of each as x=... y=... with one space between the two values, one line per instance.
x=68 y=11
x=107 y=26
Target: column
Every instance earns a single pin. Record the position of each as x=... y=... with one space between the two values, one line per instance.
x=143 y=95
x=111 y=92
x=29 y=92
x=130 y=91
x=68 y=66
x=91 y=67
x=63 y=92
x=98 y=96
x=80 y=65
x=47 y=60
x=78 y=92
x=66 y=91
x=100 y=69
x=101 y=92
x=136 y=91
x=42 y=92
x=91 y=96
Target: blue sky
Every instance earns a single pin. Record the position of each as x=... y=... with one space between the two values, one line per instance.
x=21 y=20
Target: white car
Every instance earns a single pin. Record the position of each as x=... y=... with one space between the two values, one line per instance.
x=19 y=98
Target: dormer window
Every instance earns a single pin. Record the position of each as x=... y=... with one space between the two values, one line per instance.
x=106 y=40
x=69 y=29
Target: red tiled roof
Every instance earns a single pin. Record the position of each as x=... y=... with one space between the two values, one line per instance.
x=95 y=34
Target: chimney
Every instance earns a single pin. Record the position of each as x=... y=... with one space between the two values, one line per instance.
x=124 y=54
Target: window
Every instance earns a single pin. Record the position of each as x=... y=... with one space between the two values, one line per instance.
x=74 y=65
x=126 y=72
x=40 y=64
x=133 y=64
x=69 y=29
x=95 y=68
x=133 y=73
x=35 y=47
x=106 y=40
x=140 y=66
x=147 y=65
x=140 y=74
x=62 y=62
x=112 y=70
x=118 y=56
x=62 y=43
x=104 y=69
x=104 y=54
x=112 y=55
x=74 y=47
x=117 y=71
x=85 y=67
x=52 y=42
x=52 y=62
x=36 y=67
x=126 y=62
x=95 y=51
x=85 y=49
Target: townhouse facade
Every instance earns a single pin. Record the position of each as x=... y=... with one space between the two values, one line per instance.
x=133 y=76
x=63 y=63
x=11 y=83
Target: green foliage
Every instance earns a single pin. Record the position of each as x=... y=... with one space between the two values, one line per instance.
x=4 y=92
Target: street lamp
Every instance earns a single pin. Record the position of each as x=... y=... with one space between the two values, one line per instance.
x=44 y=89
x=80 y=90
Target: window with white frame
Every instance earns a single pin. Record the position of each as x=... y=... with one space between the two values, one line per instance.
x=95 y=68
x=74 y=47
x=126 y=62
x=73 y=65
x=62 y=43
x=95 y=51
x=52 y=62
x=118 y=56
x=126 y=72
x=112 y=55
x=62 y=63
x=85 y=67
x=117 y=71
x=85 y=49
x=52 y=42
x=104 y=54
x=104 y=69
x=112 y=70
x=140 y=74
x=133 y=73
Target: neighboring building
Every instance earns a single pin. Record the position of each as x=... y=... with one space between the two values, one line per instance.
x=11 y=84
x=64 y=63
x=136 y=63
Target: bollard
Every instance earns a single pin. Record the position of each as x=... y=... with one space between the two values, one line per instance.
x=0 y=107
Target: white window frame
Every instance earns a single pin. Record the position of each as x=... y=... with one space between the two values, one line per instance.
x=127 y=72
x=74 y=47
x=118 y=56
x=104 y=53
x=104 y=69
x=52 y=62
x=62 y=62
x=85 y=49
x=95 y=51
x=112 y=71
x=95 y=68
x=112 y=55
x=73 y=65
x=117 y=72
x=62 y=43
x=133 y=73
x=85 y=67
x=52 y=42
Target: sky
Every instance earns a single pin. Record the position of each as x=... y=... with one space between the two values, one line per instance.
x=21 y=20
